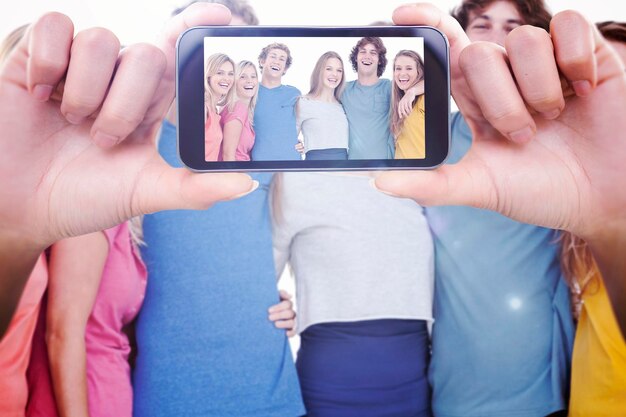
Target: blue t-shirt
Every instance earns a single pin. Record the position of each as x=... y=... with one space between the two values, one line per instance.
x=367 y=109
x=503 y=332
x=206 y=346
x=275 y=124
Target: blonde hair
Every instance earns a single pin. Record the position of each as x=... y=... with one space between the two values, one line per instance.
x=10 y=42
x=317 y=74
x=579 y=268
x=397 y=93
x=241 y=67
x=213 y=65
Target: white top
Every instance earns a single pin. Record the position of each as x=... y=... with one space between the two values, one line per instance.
x=357 y=254
x=323 y=124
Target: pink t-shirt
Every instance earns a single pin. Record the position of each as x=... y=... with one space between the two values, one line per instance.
x=246 y=139
x=120 y=296
x=15 y=347
x=212 y=137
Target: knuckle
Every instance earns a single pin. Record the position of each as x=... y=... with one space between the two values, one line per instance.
x=527 y=35
x=479 y=51
x=98 y=39
x=147 y=54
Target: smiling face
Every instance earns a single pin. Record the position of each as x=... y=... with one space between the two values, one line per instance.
x=493 y=23
x=247 y=83
x=367 y=59
x=405 y=72
x=222 y=81
x=332 y=73
x=275 y=65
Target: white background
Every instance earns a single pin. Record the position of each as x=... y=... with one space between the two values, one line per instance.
x=306 y=52
x=140 y=20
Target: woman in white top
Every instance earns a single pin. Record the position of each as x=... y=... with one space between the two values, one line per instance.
x=320 y=115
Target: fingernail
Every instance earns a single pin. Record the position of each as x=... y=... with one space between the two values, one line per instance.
x=255 y=185
x=522 y=136
x=582 y=88
x=74 y=118
x=42 y=92
x=105 y=140
x=373 y=184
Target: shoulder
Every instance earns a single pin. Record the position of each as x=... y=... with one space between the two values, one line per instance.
x=291 y=90
x=385 y=84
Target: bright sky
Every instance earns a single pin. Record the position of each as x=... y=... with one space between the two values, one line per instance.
x=140 y=20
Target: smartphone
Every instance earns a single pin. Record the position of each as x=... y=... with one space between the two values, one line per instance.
x=313 y=98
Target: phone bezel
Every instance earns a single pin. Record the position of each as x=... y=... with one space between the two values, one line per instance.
x=190 y=97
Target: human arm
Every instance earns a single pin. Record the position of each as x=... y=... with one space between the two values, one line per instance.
x=541 y=154
x=405 y=106
x=75 y=272
x=88 y=162
x=283 y=315
x=232 y=134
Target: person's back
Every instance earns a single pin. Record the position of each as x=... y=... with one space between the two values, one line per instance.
x=205 y=344
x=503 y=330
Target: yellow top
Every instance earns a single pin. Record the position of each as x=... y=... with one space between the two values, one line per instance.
x=599 y=359
x=411 y=143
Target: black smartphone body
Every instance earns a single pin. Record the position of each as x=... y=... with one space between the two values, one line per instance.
x=312 y=98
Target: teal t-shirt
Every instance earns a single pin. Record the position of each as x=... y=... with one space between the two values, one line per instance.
x=206 y=346
x=503 y=332
x=367 y=110
x=275 y=124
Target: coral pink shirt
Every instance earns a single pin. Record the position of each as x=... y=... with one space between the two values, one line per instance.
x=120 y=295
x=15 y=347
x=246 y=139
x=212 y=136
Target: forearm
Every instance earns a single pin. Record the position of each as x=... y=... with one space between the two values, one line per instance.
x=69 y=373
x=17 y=259
x=609 y=252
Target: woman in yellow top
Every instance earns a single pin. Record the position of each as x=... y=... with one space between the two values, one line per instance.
x=408 y=129
x=599 y=358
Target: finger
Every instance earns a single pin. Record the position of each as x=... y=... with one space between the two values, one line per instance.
x=282 y=315
x=86 y=84
x=47 y=44
x=466 y=183
x=161 y=187
x=197 y=14
x=429 y=15
x=284 y=295
x=139 y=72
x=285 y=324
x=531 y=55
x=493 y=88
x=283 y=305
x=575 y=42
x=291 y=332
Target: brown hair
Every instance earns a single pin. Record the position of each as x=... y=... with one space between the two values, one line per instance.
x=533 y=12
x=397 y=93
x=613 y=31
x=268 y=48
x=316 y=75
x=10 y=42
x=239 y=8
x=380 y=48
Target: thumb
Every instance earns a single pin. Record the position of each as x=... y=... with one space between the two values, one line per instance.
x=466 y=183
x=165 y=188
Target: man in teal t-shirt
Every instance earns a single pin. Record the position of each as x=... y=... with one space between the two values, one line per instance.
x=366 y=102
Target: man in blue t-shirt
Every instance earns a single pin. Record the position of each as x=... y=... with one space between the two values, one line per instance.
x=503 y=332
x=275 y=129
x=366 y=102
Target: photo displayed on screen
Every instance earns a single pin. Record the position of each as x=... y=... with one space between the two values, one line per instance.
x=314 y=98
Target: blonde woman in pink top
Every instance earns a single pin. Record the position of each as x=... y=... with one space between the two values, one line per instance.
x=96 y=288
x=237 y=116
x=219 y=78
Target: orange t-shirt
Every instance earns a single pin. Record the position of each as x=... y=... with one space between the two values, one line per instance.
x=16 y=345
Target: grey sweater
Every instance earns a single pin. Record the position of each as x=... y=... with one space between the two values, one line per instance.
x=357 y=254
x=324 y=125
